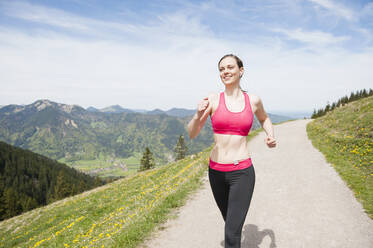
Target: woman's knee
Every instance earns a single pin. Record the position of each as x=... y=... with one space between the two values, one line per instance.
x=232 y=239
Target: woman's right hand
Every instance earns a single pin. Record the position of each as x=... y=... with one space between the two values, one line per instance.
x=202 y=106
x=199 y=118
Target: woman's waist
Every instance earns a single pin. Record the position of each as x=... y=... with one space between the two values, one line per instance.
x=229 y=155
x=233 y=166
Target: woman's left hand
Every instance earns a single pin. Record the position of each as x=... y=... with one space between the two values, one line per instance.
x=270 y=141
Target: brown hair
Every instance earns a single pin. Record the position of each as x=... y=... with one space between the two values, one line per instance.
x=238 y=60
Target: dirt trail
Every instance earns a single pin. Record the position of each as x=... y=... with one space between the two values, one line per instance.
x=299 y=201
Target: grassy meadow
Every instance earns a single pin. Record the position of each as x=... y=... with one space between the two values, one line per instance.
x=106 y=166
x=119 y=214
x=345 y=137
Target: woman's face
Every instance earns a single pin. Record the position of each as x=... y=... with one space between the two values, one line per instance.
x=229 y=71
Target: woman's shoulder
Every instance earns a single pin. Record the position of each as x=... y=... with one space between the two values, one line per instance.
x=213 y=96
x=254 y=99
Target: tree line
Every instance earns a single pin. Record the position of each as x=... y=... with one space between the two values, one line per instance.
x=342 y=101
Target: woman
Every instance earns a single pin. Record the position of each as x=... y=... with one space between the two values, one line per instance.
x=231 y=171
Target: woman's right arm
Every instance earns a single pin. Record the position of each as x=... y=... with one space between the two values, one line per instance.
x=195 y=125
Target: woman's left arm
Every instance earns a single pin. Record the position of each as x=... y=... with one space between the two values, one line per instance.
x=264 y=120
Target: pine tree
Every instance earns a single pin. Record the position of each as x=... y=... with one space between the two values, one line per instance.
x=313 y=116
x=180 y=149
x=31 y=203
x=10 y=199
x=352 y=97
x=339 y=102
x=364 y=93
x=147 y=161
x=327 y=108
x=333 y=106
x=62 y=188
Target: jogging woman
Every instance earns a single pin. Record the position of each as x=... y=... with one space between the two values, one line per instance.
x=231 y=171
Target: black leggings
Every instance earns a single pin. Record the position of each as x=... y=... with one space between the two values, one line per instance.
x=233 y=191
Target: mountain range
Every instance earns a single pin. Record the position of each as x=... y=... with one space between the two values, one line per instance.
x=73 y=133
x=179 y=112
x=182 y=112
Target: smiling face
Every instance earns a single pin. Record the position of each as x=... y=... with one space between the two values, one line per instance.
x=229 y=71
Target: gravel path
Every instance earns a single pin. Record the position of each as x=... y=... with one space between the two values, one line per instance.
x=299 y=200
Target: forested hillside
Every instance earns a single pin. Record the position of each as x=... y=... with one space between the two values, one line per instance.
x=29 y=180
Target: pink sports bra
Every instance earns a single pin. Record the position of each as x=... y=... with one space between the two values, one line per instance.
x=226 y=122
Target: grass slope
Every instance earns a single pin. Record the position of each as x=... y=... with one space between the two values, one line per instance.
x=345 y=137
x=119 y=214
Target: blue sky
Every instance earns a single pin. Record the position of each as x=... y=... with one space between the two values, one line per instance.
x=297 y=54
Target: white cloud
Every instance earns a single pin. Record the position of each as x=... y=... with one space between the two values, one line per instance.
x=168 y=24
x=366 y=33
x=102 y=73
x=171 y=62
x=76 y=67
x=311 y=37
x=337 y=9
x=367 y=9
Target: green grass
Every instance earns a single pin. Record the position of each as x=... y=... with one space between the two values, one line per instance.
x=120 y=214
x=107 y=165
x=104 y=166
x=345 y=137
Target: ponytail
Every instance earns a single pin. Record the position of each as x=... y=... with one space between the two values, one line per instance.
x=243 y=90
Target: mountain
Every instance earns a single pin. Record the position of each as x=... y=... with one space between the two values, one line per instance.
x=177 y=112
x=29 y=180
x=156 y=112
x=111 y=109
x=116 y=109
x=69 y=131
x=140 y=110
x=180 y=112
x=93 y=109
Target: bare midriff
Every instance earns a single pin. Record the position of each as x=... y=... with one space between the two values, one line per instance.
x=229 y=148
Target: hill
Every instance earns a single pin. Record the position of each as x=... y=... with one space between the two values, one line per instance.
x=119 y=214
x=345 y=136
x=29 y=180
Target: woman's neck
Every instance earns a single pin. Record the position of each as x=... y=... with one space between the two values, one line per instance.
x=233 y=90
